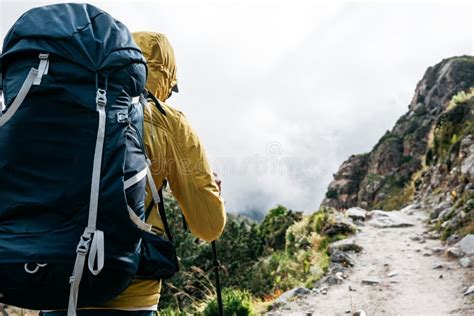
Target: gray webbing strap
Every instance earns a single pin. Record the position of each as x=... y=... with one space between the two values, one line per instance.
x=133 y=216
x=20 y=97
x=135 y=219
x=76 y=277
x=97 y=252
x=34 y=78
x=151 y=182
x=135 y=179
x=42 y=68
x=92 y=239
x=101 y=101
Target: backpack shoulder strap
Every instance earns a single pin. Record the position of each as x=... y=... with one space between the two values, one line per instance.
x=157 y=103
x=161 y=210
x=157 y=196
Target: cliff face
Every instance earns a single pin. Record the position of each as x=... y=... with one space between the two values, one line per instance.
x=446 y=185
x=400 y=165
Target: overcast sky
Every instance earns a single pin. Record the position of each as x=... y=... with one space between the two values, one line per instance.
x=282 y=93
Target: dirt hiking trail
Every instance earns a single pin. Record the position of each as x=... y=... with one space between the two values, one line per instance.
x=400 y=271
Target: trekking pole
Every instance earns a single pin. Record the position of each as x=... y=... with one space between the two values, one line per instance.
x=218 y=280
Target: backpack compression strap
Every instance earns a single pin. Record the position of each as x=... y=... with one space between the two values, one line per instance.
x=157 y=197
x=92 y=240
x=33 y=79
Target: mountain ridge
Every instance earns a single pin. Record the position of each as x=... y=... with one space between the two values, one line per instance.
x=384 y=178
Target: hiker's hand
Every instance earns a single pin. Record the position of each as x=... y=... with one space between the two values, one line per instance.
x=218 y=182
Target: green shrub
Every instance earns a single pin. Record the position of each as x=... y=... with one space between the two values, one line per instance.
x=319 y=220
x=303 y=261
x=452 y=126
x=301 y=234
x=236 y=303
x=274 y=225
x=282 y=271
x=460 y=97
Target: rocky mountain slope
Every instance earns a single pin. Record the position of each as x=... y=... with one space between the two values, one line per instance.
x=429 y=149
x=417 y=183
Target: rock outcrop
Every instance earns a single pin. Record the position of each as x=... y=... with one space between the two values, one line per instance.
x=430 y=148
x=343 y=191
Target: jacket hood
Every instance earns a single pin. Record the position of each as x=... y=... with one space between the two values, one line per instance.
x=161 y=63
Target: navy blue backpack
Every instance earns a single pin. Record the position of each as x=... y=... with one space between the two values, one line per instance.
x=73 y=170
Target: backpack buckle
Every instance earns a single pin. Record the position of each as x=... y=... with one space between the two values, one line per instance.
x=84 y=244
x=101 y=97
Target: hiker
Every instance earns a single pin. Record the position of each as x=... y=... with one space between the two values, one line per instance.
x=74 y=232
x=178 y=156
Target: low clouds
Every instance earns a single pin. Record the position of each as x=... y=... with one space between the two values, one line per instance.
x=282 y=93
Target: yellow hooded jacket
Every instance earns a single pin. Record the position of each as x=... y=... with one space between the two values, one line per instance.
x=178 y=156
